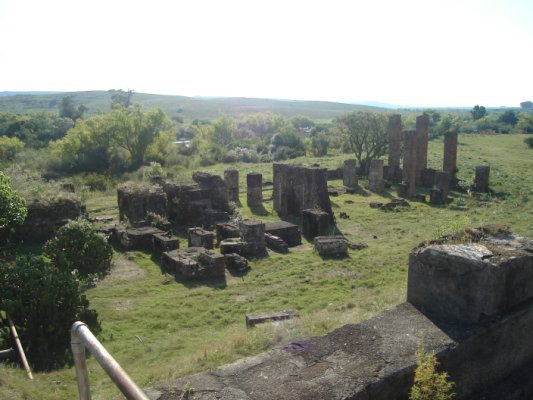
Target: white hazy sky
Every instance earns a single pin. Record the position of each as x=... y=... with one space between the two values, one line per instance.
x=408 y=52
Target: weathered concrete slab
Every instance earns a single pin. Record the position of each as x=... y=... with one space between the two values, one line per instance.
x=331 y=245
x=287 y=231
x=276 y=243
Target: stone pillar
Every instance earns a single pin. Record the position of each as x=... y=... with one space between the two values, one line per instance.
x=395 y=143
x=409 y=162
x=253 y=237
x=349 y=174
x=231 y=177
x=442 y=182
x=481 y=180
x=375 y=176
x=422 y=135
x=449 y=161
x=315 y=223
x=254 y=190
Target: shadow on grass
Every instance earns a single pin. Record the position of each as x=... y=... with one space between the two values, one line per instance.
x=259 y=210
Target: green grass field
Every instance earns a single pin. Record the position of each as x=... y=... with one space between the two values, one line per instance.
x=159 y=328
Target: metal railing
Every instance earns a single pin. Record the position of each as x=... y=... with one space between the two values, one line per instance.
x=81 y=338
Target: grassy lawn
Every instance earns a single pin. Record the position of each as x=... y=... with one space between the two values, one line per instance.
x=159 y=328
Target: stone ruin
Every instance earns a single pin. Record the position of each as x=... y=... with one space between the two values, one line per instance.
x=254 y=189
x=287 y=231
x=194 y=263
x=199 y=237
x=481 y=179
x=202 y=203
x=231 y=178
x=315 y=223
x=349 y=175
x=471 y=303
x=394 y=172
x=439 y=194
x=331 y=245
x=375 y=176
x=421 y=144
x=45 y=217
x=297 y=188
x=409 y=165
x=449 y=160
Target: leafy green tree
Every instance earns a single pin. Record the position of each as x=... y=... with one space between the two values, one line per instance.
x=508 y=117
x=223 y=132
x=301 y=122
x=525 y=122
x=121 y=97
x=478 y=112
x=319 y=145
x=68 y=109
x=77 y=246
x=365 y=133
x=13 y=209
x=448 y=122
x=287 y=143
x=9 y=147
x=43 y=302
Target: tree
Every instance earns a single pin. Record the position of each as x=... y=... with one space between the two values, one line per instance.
x=121 y=97
x=525 y=122
x=478 y=112
x=365 y=133
x=319 y=145
x=134 y=130
x=78 y=247
x=13 y=209
x=43 y=302
x=508 y=117
x=9 y=147
x=68 y=109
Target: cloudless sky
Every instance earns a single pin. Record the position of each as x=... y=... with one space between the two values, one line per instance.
x=408 y=52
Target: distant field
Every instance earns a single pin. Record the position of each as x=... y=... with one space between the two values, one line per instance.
x=191 y=107
x=160 y=328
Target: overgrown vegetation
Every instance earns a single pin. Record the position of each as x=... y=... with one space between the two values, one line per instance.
x=430 y=384
x=12 y=208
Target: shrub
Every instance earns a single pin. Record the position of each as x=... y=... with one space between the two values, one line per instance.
x=77 y=246
x=13 y=209
x=43 y=302
x=430 y=384
x=9 y=147
x=96 y=182
x=529 y=142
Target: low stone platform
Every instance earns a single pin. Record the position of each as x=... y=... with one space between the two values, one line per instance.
x=286 y=231
x=254 y=319
x=194 y=263
x=137 y=238
x=331 y=245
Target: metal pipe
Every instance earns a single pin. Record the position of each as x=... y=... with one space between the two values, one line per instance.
x=5 y=354
x=81 y=335
x=19 y=347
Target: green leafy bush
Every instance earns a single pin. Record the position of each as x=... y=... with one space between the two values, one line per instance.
x=430 y=384
x=529 y=142
x=13 y=209
x=43 y=302
x=77 y=246
x=98 y=182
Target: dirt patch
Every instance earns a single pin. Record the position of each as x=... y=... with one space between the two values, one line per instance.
x=121 y=271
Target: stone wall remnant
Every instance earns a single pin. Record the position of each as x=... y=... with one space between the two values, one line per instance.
x=422 y=137
x=227 y=230
x=135 y=202
x=236 y=263
x=231 y=178
x=394 y=172
x=470 y=282
x=375 y=176
x=442 y=182
x=315 y=223
x=333 y=174
x=254 y=189
x=162 y=242
x=137 y=238
x=297 y=187
x=409 y=162
x=199 y=237
x=481 y=179
x=218 y=191
x=427 y=177
x=194 y=263
x=253 y=237
x=285 y=230
x=449 y=161
x=349 y=174
x=276 y=243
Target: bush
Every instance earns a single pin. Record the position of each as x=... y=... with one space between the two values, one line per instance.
x=430 y=384
x=13 y=209
x=77 y=246
x=96 y=182
x=529 y=142
x=43 y=302
x=9 y=147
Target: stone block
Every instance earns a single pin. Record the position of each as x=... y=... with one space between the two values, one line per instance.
x=227 y=230
x=472 y=281
x=449 y=161
x=231 y=178
x=254 y=189
x=276 y=243
x=409 y=162
x=253 y=237
x=235 y=262
x=135 y=202
x=229 y=246
x=285 y=230
x=334 y=174
x=330 y=245
x=375 y=176
x=401 y=190
x=199 y=237
x=395 y=144
x=349 y=175
x=162 y=242
x=436 y=197
x=427 y=178
x=481 y=180
x=137 y=238
x=422 y=137
x=254 y=319
x=315 y=223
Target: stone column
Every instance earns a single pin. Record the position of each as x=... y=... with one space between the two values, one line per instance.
x=409 y=162
x=422 y=135
x=375 y=176
x=349 y=174
x=449 y=161
x=481 y=180
x=439 y=194
x=254 y=190
x=231 y=177
x=395 y=142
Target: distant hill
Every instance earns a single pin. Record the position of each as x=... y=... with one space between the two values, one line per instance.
x=189 y=108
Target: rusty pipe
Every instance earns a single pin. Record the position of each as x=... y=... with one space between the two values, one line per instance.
x=81 y=338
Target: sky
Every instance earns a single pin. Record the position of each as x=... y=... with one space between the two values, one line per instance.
x=420 y=53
